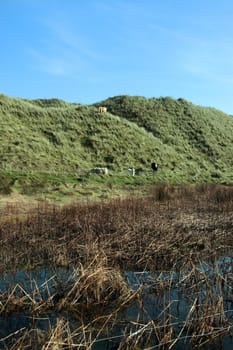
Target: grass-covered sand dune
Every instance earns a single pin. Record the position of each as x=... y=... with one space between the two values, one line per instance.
x=200 y=137
x=46 y=144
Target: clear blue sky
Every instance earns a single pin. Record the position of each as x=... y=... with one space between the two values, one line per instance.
x=87 y=50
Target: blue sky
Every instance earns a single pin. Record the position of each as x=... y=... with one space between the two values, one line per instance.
x=87 y=50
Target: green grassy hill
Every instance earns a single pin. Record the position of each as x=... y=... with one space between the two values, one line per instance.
x=190 y=143
x=200 y=137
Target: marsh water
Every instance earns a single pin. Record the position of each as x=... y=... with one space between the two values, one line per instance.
x=165 y=296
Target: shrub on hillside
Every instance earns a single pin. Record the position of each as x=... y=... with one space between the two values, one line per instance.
x=6 y=183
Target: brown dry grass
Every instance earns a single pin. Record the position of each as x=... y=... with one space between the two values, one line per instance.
x=153 y=232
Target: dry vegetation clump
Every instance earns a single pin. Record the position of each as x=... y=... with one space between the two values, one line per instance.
x=93 y=297
x=87 y=288
x=95 y=286
x=59 y=336
x=207 y=321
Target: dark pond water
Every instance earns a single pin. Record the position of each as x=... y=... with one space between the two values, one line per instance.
x=165 y=296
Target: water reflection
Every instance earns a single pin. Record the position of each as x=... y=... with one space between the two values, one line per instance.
x=176 y=296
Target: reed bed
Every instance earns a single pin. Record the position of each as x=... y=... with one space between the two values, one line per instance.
x=174 y=238
x=152 y=232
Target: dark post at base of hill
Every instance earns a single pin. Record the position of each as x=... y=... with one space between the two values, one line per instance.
x=154 y=167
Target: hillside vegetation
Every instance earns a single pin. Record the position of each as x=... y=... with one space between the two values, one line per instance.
x=190 y=143
x=201 y=136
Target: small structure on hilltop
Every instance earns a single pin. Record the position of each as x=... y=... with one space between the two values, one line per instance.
x=102 y=109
